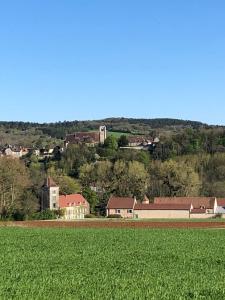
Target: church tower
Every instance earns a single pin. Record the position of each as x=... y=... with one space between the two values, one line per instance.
x=50 y=195
x=102 y=134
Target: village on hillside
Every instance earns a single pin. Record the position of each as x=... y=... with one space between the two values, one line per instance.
x=72 y=206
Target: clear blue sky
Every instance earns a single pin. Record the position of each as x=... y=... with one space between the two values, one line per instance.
x=89 y=59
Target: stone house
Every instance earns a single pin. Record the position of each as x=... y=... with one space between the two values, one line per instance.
x=123 y=206
x=15 y=152
x=90 y=138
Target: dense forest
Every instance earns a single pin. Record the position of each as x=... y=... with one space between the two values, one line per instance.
x=189 y=160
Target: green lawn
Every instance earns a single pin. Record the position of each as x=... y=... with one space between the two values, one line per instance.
x=111 y=264
x=118 y=134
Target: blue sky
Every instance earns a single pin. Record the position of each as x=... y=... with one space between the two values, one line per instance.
x=90 y=59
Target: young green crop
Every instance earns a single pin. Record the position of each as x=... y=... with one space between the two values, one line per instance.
x=111 y=264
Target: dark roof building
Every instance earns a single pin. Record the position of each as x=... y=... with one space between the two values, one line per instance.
x=197 y=202
x=121 y=203
x=90 y=137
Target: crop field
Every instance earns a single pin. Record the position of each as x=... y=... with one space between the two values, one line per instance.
x=122 y=263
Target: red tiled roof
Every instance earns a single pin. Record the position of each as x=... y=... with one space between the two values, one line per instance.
x=72 y=200
x=153 y=206
x=221 y=202
x=121 y=202
x=197 y=202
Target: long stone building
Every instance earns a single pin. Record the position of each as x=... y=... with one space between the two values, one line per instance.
x=90 y=138
x=166 y=207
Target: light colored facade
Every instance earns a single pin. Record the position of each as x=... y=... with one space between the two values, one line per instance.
x=75 y=212
x=15 y=153
x=162 y=214
x=123 y=206
x=75 y=206
x=167 y=207
x=102 y=134
x=124 y=212
x=50 y=195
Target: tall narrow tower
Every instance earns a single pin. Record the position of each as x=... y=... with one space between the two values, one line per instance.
x=50 y=195
x=102 y=134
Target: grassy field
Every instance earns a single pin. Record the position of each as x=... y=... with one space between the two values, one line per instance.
x=118 y=134
x=111 y=264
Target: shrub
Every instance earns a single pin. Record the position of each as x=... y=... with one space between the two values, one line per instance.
x=45 y=215
x=218 y=216
x=114 y=216
x=90 y=216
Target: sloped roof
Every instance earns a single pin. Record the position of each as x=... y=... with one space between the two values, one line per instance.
x=50 y=182
x=152 y=206
x=197 y=202
x=221 y=202
x=121 y=202
x=139 y=139
x=87 y=137
x=72 y=200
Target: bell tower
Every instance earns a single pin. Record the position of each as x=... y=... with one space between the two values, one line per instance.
x=50 y=195
x=102 y=134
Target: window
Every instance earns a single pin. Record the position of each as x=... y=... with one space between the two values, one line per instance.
x=117 y=211
x=54 y=205
x=130 y=211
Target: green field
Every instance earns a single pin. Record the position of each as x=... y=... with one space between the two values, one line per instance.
x=118 y=134
x=111 y=264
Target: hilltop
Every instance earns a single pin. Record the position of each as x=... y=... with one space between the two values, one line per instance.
x=31 y=133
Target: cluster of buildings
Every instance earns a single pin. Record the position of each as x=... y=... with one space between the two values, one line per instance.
x=167 y=207
x=93 y=138
x=140 y=142
x=13 y=151
x=90 y=138
x=74 y=206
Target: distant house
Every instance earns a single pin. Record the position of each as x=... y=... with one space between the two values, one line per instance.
x=75 y=206
x=220 y=206
x=15 y=152
x=89 y=138
x=123 y=206
x=134 y=141
x=197 y=204
x=141 y=142
x=164 y=207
